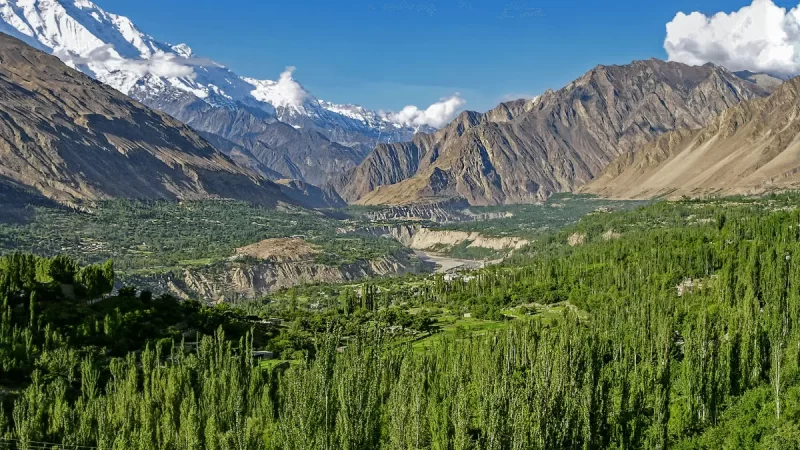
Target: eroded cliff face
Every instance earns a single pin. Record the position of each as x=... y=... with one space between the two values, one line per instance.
x=276 y=264
x=441 y=212
x=245 y=279
x=427 y=239
x=424 y=239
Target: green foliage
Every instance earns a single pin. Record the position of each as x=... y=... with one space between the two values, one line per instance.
x=157 y=236
x=97 y=280
x=60 y=268
x=530 y=221
x=681 y=332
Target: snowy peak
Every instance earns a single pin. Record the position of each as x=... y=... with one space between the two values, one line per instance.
x=106 y=46
x=113 y=50
x=295 y=105
x=360 y=114
x=182 y=50
x=78 y=28
x=284 y=93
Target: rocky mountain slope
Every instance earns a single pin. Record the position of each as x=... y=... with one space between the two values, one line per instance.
x=767 y=81
x=16 y=202
x=283 y=150
x=72 y=138
x=751 y=148
x=310 y=195
x=523 y=151
x=202 y=93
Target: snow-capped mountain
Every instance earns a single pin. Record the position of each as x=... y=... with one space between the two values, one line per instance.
x=113 y=50
x=294 y=105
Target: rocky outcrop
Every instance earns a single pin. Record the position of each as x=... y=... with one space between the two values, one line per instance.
x=751 y=148
x=72 y=138
x=523 y=151
x=427 y=239
x=247 y=280
x=421 y=238
x=576 y=239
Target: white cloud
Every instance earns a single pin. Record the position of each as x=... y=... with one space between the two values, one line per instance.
x=437 y=115
x=761 y=37
x=159 y=64
x=512 y=97
x=292 y=91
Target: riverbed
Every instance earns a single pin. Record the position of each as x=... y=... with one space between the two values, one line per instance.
x=446 y=264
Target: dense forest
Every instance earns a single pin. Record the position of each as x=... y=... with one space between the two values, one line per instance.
x=680 y=328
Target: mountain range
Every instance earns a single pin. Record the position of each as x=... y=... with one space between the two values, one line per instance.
x=649 y=128
x=751 y=148
x=283 y=126
x=72 y=138
x=525 y=150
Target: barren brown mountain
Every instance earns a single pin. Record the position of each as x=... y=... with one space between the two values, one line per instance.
x=751 y=148
x=72 y=138
x=523 y=151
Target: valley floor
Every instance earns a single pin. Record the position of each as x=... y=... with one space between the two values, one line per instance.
x=445 y=264
x=673 y=324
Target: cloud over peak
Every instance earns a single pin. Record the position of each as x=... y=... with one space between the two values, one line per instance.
x=159 y=64
x=760 y=37
x=436 y=115
x=293 y=91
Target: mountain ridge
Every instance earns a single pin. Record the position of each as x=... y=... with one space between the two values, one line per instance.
x=117 y=53
x=110 y=48
x=74 y=139
x=751 y=148
x=523 y=151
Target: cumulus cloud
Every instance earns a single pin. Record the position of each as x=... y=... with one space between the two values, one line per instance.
x=292 y=92
x=761 y=37
x=159 y=64
x=436 y=115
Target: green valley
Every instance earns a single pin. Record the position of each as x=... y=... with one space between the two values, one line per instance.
x=664 y=335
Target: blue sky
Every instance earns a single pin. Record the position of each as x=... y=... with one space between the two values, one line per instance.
x=385 y=54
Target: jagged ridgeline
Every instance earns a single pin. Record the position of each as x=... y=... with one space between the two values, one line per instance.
x=275 y=127
x=525 y=150
x=748 y=149
x=677 y=326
